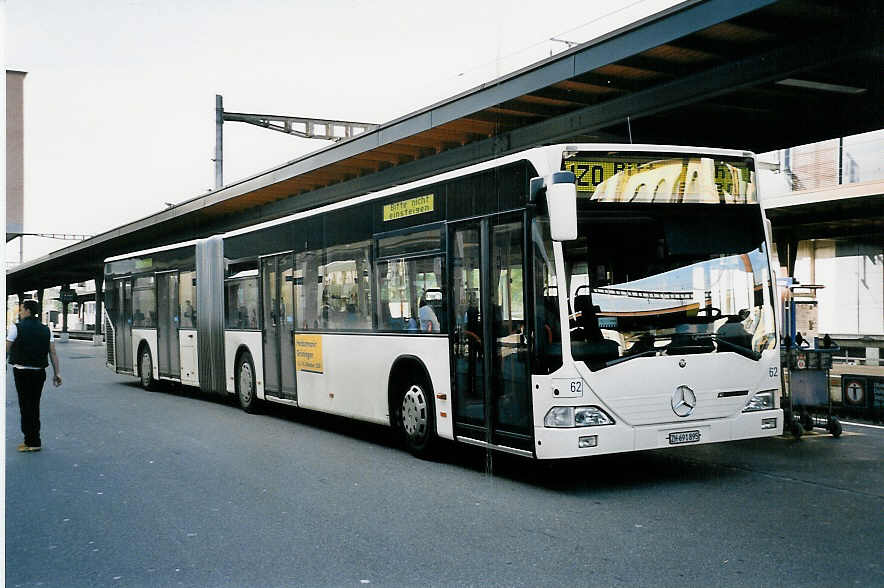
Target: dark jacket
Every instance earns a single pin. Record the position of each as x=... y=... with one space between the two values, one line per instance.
x=31 y=346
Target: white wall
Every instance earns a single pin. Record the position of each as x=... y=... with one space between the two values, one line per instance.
x=852 y=302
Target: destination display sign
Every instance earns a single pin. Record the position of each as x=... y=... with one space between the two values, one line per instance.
x=410 y=207
x=662 y=177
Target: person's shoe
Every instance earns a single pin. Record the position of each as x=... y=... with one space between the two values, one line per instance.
x=24 y=447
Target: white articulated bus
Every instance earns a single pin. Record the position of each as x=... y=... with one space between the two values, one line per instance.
x=564 y=301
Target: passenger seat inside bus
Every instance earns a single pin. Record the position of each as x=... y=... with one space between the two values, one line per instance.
x=552 y=326
x=385 y=319
x=436 y=300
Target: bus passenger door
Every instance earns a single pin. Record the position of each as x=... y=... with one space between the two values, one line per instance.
x=123 y=324
x=492 y=394
x=168 y=362
x=511 y=393
x=187 y=324
x=287 y=327
x=279 y=321
x=468 y=351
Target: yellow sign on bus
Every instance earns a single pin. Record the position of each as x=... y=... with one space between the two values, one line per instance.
x=308 y=353
x=409 y=207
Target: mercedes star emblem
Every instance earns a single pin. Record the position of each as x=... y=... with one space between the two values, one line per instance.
x=683 y=401
x=682 y=363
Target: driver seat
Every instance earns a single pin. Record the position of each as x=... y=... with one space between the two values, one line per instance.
x=595 y=348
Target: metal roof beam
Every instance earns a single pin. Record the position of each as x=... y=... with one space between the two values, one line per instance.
x=307 y=128
x=758 y=69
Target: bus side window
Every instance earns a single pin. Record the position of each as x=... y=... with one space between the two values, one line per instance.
x=241 y=301
x=187 y=298
x=309 y=290
x=347 y=292
x=144 y=302
x=548 y=328
x=411 y=296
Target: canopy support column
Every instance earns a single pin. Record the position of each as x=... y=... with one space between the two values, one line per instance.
x=97 y=338
x=65 y=336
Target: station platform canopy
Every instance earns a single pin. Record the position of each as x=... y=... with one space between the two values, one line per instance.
x=756 y=75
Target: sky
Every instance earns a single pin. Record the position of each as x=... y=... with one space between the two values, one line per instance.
x=120 y=94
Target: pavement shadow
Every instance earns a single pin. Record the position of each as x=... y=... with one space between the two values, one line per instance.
x=624 y=470
x=616 y=471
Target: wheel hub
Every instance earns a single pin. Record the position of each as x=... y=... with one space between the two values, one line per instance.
x=414 y=412
x=146 y=369
x=245 y=383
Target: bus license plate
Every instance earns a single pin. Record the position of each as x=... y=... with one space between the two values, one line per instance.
x=684 y=437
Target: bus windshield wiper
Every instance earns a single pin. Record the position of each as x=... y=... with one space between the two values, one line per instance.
x=628 y=357
x=744 y=351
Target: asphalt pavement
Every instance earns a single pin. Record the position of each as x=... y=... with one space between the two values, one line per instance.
x=176 y=488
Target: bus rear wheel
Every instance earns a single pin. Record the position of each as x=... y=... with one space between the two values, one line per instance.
x=246 y=391
x=145 y=369
x=416 y=418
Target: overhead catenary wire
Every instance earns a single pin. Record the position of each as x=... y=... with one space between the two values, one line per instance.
x=554 y=37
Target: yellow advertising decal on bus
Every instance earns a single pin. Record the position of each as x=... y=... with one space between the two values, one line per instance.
x=409 y=207
x=308 y=353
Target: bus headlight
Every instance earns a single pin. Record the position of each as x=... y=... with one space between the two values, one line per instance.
x=591 y=416
x=559 y=416
x=763 y=400
x=576 y=416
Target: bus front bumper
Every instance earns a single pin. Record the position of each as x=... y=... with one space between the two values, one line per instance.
x=552 y=443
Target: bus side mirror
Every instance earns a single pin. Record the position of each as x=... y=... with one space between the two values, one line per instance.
x=561 y=202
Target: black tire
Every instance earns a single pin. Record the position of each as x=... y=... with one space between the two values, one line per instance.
x=145 y=369
x=835 y=427
x=244 y=378
x=796 y=429
x=807 y=422
x=416 y=417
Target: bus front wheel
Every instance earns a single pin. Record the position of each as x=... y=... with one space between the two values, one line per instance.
x=416 y=418
x=145 y=369
x=246 y=392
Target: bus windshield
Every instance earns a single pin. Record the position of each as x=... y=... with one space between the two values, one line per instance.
x=645 y=280
x=662 y=177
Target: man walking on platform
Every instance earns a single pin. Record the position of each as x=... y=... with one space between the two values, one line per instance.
x=28 y=343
